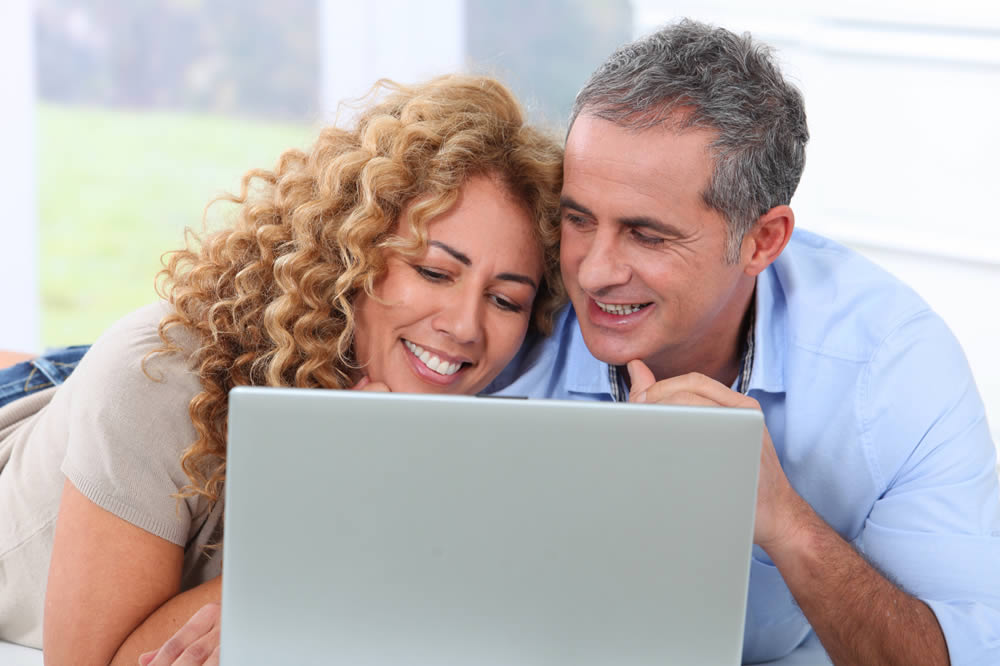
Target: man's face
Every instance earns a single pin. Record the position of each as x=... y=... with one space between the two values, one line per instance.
x=643 y=256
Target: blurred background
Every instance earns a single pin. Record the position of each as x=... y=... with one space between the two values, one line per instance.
x=123 y=118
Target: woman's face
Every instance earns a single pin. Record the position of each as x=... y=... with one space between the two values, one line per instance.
x=450 y=320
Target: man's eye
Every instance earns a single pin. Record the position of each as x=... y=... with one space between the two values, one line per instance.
x=644 y=239
x=575 y=220
x=505 y=304
x=430 y=274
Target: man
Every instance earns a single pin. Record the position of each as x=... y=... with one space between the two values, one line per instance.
x=878 y=516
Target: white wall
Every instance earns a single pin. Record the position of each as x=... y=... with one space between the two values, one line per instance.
x=19 y=296
x=407 y=42
x=903 y=102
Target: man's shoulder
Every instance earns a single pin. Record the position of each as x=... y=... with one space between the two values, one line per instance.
x=836 y=302
x=554 y=366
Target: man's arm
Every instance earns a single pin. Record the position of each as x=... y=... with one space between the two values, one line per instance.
x=858 y=615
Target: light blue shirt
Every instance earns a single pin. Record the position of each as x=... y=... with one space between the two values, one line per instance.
x=878 y=425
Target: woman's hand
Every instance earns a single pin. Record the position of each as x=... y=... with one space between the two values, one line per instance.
x=197 y=642
x=367 y=384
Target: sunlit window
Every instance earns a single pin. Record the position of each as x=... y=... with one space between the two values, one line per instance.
x=126 y=118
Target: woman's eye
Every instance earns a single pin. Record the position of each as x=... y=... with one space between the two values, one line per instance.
x=506 y=304
x=430 y=274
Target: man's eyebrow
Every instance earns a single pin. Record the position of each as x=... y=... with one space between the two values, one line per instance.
x=464 y=258
x=637 y=221
x=517 y=277
x=569 y=202
x=643 y=222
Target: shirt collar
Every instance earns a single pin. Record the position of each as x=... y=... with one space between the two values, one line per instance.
x=771 y=318
x=584 y=373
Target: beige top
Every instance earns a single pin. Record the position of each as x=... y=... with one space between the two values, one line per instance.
x=118 y=437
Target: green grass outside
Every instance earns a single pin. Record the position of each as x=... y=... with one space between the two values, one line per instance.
x=117 y=189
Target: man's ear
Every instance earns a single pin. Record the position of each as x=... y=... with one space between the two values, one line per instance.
x=766 y=239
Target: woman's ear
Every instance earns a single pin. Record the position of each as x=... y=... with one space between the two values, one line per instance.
x=766 y=239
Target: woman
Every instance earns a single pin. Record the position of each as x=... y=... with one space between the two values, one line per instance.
x=410 y=253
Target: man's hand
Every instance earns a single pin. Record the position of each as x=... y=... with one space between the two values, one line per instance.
x=781 y=512
x=197 y=642
x=855 y=611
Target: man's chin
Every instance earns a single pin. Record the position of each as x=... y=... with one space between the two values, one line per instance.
x=608 y=349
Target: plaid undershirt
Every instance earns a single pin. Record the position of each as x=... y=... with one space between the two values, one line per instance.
x=616 y=373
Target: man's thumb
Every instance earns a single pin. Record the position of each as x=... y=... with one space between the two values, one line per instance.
x=641 y=378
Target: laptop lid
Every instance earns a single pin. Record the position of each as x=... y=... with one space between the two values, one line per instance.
x=365 y=528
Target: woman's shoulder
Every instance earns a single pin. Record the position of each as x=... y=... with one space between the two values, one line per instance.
x=125 y=414
x=131 y=374
x=128 y=365
x=128 y=344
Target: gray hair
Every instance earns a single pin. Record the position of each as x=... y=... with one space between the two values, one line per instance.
x=690 y=74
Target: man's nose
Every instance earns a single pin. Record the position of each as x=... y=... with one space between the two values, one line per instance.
x=461 y=314
x=603 y=265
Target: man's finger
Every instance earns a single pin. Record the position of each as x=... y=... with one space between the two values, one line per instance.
x=640 y=379
x=660 y=394
x=694 y=383
x=362 y=383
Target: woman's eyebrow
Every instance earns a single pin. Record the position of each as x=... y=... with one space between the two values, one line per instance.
x=517 y=277
x=462 y=257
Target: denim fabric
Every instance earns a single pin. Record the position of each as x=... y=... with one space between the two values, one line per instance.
x=49 y=369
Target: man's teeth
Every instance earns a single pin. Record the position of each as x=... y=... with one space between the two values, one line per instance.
x=613 y=308
x=431 y=360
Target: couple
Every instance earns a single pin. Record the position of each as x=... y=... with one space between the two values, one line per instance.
x=418 y=252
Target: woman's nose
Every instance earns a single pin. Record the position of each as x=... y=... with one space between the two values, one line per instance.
x=461 y=314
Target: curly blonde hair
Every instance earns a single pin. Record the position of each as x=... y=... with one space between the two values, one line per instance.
x=269 y=299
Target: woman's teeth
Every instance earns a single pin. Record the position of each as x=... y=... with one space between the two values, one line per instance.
x=612 y=308
x=431 y=360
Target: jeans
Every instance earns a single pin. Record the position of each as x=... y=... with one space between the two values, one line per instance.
x=49 y=369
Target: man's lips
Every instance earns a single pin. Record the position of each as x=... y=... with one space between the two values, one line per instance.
x=620 y=308
x=617 y=315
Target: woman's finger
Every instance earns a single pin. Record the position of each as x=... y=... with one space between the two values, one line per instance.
x=199 y=626
x=202 y=652
x=377 y=387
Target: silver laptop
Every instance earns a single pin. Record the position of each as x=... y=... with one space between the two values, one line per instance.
x=378 y=529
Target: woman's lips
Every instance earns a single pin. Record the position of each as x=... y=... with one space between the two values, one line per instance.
x=434 y=366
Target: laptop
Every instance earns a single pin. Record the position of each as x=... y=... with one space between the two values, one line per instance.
x=376 y=529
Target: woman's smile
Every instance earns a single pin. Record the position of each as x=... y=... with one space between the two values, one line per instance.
x=437 y=362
